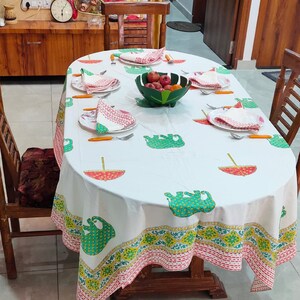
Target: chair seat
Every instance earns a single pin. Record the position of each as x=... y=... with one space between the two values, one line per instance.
x=39 y=174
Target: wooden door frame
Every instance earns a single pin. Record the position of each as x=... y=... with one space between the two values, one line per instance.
x=198 y=12
x=241 y=31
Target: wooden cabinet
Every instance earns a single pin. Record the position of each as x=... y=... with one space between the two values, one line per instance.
x=11 y=57
x=43 y=48
x=59 y=53
x=34 y=54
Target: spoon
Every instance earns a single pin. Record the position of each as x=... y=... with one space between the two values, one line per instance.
x=112 y=58
x=219 y=92
x=83 y=96
x=169 y=59
x=207 y=92
x=109 y=138
x=79 y=74
x=251 y=136
x=218 y=107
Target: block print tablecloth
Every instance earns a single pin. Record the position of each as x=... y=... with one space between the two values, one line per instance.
x=178 y=193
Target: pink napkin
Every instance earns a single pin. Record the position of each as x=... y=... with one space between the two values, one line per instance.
x=206 y=80
x=145 y=57
x=239 y=118
x=110 y=119
x=97 y=83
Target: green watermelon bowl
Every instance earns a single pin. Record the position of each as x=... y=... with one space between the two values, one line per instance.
x=154 y=97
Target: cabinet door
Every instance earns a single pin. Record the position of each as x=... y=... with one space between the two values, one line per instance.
x=59 y=50
x=11 y=57
x=35 y=59
x=220 y=27
x=84 y=44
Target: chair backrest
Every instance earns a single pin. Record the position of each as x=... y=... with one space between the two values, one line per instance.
x=298 y=172
x=136 y=33
x=10 y=154
x=285 y=111
x=1 y=101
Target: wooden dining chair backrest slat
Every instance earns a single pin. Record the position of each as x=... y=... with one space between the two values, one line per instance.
x=30 y=183
x=298 y=172
x=285 y=110
x=9 y=150
x=1 y=101
x=136 y=33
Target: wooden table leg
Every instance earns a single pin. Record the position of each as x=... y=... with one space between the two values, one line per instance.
x=193 y=280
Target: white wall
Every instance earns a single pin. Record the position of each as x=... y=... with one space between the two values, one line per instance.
x=185 y=7
x=253 y=17
x=187 y=4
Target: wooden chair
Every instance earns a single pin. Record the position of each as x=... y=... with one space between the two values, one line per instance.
x=30 y=184
x=285 y=111
x=298 y=173
x=1 y=101
x=136 y=33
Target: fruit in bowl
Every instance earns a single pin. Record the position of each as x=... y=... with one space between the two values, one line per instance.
x=162 y=89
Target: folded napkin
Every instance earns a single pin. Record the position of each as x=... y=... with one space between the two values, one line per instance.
x=109 y=119
x=240 y=118
x=97 y=83
x=206 y=80
x=145 y=57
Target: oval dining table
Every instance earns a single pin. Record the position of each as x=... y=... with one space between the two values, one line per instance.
x=180 y=190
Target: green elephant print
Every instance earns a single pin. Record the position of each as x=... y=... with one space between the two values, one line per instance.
x=164 y=141
x=97 y=238
x=222 y=70
x=137 y=70
x=69 y=102
x=68 y=145
x=186 y=204
x=278 y=141
x=136 y=50
x=247 y=102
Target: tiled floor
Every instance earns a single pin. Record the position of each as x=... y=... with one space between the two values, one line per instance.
x=46 y=269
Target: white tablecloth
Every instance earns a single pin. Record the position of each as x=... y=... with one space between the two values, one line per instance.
x=120 y=226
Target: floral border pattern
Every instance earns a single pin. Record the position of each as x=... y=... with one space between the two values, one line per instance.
x=174 y=247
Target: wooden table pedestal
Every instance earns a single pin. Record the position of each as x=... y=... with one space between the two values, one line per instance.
x=194 y=280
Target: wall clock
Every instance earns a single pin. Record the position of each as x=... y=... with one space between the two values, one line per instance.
x=61 y=10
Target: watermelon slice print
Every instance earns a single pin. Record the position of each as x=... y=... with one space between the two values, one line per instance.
x=238 y=170
x=104 y=174
x=203 y=121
